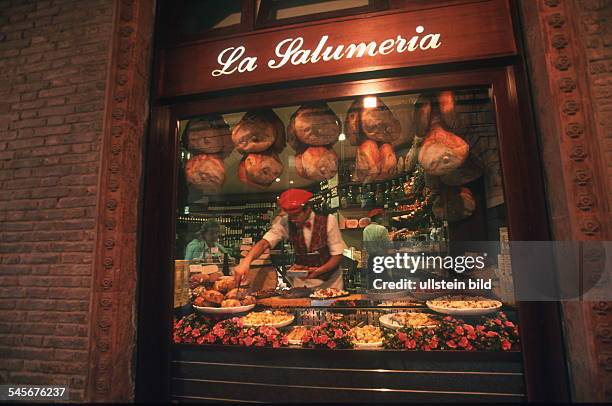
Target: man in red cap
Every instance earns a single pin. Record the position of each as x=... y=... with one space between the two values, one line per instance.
x=316 y=240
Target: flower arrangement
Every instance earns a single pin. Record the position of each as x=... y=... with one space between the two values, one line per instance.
x=493 y=334
x=330 y=335
x=199 y=330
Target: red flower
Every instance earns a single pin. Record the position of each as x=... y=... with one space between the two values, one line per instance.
x=248 y=341
x=411 y=343
x=492 y=334
x=402 y=336
x=338 y=333
x=459 y=330
x=323 y=339
x=331 y=344
x=451 y=344
x=200 y=340
x=196 y=332
x=497 y=321
x=463 y=342
x=509 y=324
x=506 y=345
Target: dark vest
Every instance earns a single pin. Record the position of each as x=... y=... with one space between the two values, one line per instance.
x=318 y=243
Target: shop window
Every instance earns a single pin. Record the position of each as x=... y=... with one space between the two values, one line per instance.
x=429 y=160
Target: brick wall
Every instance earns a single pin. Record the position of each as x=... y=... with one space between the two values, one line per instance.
x=53 y=65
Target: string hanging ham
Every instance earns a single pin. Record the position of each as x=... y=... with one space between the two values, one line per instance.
x=313 y=124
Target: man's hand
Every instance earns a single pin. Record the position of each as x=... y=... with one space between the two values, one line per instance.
x=314 y=272
x=241 y=271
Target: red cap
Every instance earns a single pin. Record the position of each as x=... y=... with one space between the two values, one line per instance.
x=292 y=200
x=375 y=212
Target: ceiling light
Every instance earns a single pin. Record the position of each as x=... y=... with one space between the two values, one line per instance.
x=369 y=102
x=277 y=179
x=291 y=182
x=341 y=137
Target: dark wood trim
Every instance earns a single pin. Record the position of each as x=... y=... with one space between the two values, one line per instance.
x=156 y=279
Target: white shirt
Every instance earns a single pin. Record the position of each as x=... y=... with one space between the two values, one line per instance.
x=280 y=231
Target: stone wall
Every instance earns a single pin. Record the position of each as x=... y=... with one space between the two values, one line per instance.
x=53 y=67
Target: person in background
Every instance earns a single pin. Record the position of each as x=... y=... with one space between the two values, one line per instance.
x=316 y=240
x=376 y=239
x=206 y=245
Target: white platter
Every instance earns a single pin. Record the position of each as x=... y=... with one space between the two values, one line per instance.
x=386 y=321
x=276 y=325
x=464 y=312
x=224 y=310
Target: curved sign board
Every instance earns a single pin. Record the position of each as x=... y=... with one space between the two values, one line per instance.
x=465 y=32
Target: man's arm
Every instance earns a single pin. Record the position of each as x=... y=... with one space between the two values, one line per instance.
x=190 y=251
x=332 y=264
x=243 y=268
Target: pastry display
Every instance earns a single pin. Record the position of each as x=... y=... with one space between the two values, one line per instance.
x=328 y=293
x=296 y=335
x=408 y=319
x=461 y=305
x=270 y=318
x=366 y=335
x=231 y=303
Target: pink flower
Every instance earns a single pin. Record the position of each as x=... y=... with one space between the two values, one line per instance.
x=497 y=321
x=411 y=344
x=451 y=344
x=480 y=328
x=323 y=339
x=338 y=333
x=187 y=330
x=459 y=330
x=433 y=343
x=200 y=340
x=506 y=345
x=463 y=342
x=195 y=332
x=509 y=324
x=402 y=336
x=331 y=344
x=492 y=334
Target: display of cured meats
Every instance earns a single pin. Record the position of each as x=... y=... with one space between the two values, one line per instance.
x=317 y=163
x=376 y=123
x=422 y=115
x=260 y=169
x=442 y=151
x=471 y=170
x=388 y=162
x=379 y=124
x=208 y=135
x=374 y=163
x=454 y=204
x=313 y=124
x=258 y=131
x=205 y=172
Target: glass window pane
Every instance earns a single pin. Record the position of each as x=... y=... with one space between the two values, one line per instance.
x=202 y=16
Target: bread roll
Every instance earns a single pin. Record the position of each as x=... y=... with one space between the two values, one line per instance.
x=225 y=284
x=231 y=303
x=213 y=296
x=248 y=300
x=205 y=172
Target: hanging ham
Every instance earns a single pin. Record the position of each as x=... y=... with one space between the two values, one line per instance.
x=388 y=162
x=446 y=106
x=442 y=151
x=422 y=115
x=208 y=135
x=258 y=131
x=205 y=172
x=367 y=161
x=471 y=170
x=261 y=169
x=379 y=124
x=317 y=163
x=352 y=123
x=454 y=204
x=314 y=124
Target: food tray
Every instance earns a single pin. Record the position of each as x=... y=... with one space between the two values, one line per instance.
x=385 y=320
x=224 y=310
x=464 y=312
